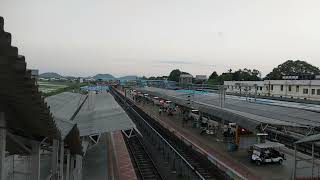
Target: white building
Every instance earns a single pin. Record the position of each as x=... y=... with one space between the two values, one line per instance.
x=201 y=77
x=298 y=89
x=185 y=79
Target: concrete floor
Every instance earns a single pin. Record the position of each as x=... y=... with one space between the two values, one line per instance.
x=95 y=161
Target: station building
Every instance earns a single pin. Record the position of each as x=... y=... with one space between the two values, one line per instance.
x=287 y=88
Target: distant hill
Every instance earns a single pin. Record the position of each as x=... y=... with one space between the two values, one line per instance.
x=104 y=77
x=128 y=78
x=70 y=77
x=50 y=75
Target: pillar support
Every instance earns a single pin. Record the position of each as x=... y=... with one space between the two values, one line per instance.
x=295 y=162
x=72 y=165
x=312 y=171
x=61 y=160
x=35 y=160
x=78 y=169
x=54 y=165
x=68 y=165
x=3 y=133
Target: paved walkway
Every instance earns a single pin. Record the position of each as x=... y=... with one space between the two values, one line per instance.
x=123 y=161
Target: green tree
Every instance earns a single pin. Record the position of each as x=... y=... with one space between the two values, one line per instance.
x=225 y=77
x=213 y=75
x=214 y=78
x=291 y=67
x=246 y=75
x=240 y=75
x=175 y=75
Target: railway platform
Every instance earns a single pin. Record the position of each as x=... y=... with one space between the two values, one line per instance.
x=237 y=160
x=109 y=159
x=120 y=164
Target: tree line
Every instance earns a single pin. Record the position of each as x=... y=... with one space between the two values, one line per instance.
x=288 y=68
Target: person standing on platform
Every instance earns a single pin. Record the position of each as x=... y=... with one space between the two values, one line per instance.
x=160 y=111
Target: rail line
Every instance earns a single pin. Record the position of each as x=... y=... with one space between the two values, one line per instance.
x=194 y=159
x=143 y=163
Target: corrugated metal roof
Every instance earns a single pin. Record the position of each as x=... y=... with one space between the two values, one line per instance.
x=65 y=126
x=101 y=113
x=248 y=115
x=63 y=106
x=269 y=145
x=312 y=138
x=95 y=88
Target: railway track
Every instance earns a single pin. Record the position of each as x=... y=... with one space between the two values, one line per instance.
x=144 y=166
x=198 y=161
x=195 y=159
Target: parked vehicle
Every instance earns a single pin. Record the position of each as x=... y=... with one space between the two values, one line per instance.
x=156 y=101
x=266 y=153
x=166 y=104
x=194 y=114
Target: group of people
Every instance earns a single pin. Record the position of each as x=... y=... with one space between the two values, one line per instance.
x=169 y=111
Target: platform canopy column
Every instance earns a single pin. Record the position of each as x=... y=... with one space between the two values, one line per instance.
x=54 y=163
x=68 y=165
x=61 y=160
x=79 y=167
x=3 y=133
x=35 y=161
x=72 y=167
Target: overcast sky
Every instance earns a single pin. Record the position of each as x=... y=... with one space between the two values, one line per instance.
x=152 y=37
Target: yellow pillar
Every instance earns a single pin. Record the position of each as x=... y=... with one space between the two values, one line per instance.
x=237 y=135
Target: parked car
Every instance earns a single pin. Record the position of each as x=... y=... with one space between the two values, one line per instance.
x=266 y=153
